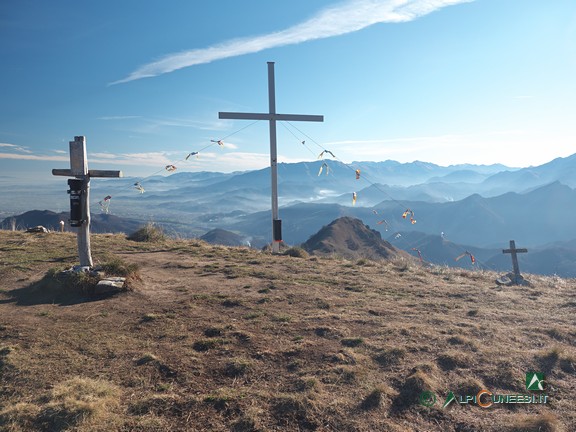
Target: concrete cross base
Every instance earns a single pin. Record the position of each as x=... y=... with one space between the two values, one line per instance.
x=511 y=279
x=80 y=269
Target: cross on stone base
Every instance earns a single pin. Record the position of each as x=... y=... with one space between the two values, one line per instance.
x=80 y=195
x=514 y=252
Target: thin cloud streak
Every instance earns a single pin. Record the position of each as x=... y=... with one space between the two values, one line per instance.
x=15 y=147
x=158 y=159
x=33 y=157
x=435 y=141
x=348 y=17
x=488 y=147
x=118 y=117
x=141 y=124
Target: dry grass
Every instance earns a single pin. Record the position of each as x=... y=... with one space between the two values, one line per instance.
x=217 y=338
x=81 y=401
x=545 y=422
x=77 y=403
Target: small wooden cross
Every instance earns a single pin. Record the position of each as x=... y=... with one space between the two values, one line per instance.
x=80 y=195
x=513 y=251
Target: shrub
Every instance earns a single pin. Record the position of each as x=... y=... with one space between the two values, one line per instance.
x=148 y=233
x=390 y=356
x=296 y=252
x=117 y=267
x=213 y=332
x=207 y=344
x=352 y=342
x=372 y=400
x=236 y=368
x=81 y=281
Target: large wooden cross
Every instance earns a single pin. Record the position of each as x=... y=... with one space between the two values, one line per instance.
x=272 y=117
x=514 y=252
x=80 y=195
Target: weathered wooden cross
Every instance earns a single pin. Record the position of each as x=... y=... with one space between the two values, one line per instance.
x=80 y=195
x=272 y=117
x=514 y=252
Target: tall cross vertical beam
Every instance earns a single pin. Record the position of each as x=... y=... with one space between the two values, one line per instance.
x=514 y=252
x=80 y=195
x=272 y=117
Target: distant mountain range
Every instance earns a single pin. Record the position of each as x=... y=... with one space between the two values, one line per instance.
x=483 y=206
x=100 y=223
x=532 y=218
x=553 y=259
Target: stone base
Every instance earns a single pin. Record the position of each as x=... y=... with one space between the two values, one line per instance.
x=512 y=279
x=110 y=285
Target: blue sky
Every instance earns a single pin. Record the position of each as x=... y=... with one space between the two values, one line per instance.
x=444 y=81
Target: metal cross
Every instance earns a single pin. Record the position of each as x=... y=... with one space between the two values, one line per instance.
x=513 y=251
x=272 y=117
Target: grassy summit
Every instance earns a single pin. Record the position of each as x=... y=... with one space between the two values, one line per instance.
x=223 y=338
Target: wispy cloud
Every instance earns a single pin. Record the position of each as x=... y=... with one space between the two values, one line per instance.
x=184 y=123
x=33 y=157
x=346 y=17
x=107 y=156
x=118 y=117
x=14 y=147
x=142 y=124
x=153 y=159
x=376 y=148
x=208 y=161
x=229 y=146
x=482 y=147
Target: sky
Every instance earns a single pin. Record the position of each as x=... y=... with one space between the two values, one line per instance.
x=442 y=81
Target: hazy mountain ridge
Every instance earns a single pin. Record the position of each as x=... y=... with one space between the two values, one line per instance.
x=559 y=169
x=545 y=260
x=533 y=205
x=534 y=218
x=99 y=223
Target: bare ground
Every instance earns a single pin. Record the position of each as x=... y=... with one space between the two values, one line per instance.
x=216 y=338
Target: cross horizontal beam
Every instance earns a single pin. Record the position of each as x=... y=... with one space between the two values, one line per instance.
x=264 y=116
x=91 y=173
x=521 y=250
x=105 y=173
